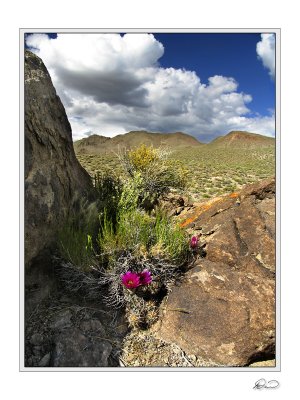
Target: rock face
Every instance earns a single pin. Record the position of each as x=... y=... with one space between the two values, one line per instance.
x=224 y=311
x=74 y=349
x=53 y=176
x=68 y=332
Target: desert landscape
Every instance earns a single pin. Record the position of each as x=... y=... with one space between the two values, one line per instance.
x=145 y=249
x=219 y=167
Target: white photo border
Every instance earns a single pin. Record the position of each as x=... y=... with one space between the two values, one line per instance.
x=277 y=368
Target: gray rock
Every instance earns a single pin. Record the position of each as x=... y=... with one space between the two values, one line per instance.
x=37 y=351
x=74 y=349
x=93 y=325
x=36 y=339
x=53 y=175
x=62 y=320
x=45 y=361
x=65 y=299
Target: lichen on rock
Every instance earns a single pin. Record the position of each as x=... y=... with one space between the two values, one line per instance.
x=53 y=176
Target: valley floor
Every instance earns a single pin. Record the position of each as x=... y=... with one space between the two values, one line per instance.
x=211 y=171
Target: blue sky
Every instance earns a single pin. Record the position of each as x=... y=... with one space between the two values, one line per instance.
x=204 y=84
x=228 y=54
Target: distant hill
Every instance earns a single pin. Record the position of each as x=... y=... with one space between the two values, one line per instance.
x=92 y=144
x=242 y=139
x=97 y=144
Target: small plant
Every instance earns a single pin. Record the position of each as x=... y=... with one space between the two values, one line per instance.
x=109 y=190
x=141 y=158
x=144 y=257
x=132 y=193
x=132 y=280
x=156 y=173
x=138 y=261
x=138 y=252
x=74 y=238
x=74 y=246
x=194 y=242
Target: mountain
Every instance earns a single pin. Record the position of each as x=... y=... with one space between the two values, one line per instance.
x=91 y=144
x=96 y=144
x=242 y=139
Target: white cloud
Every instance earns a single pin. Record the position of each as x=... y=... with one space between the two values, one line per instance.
x=111 y=84
x=266 y=52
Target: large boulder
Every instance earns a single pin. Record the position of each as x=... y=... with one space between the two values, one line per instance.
x=53 y=176
x=224 y=311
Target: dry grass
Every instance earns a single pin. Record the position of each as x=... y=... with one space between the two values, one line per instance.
x=211 y=171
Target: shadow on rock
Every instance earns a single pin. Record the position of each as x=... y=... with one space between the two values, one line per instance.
x=68 y=331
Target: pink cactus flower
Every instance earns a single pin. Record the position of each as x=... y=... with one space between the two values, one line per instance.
x=145 y=277
x=130 y=279
x=194 y=242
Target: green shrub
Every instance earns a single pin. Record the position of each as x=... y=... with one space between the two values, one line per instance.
x=156 y=173
x=75 y=236
x=132 y=236
x=141 y=158
x=170 y=241
x=144 y=235
x=109 y=191
x=137 y=242
x=75 y=246
x=132 y=193
x=141 y=242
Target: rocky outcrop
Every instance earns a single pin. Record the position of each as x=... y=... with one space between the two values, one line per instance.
x=53 y=176
x=175 y=204
x=69 y=332
x=224 y=311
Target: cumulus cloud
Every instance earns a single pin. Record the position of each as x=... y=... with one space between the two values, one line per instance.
x=105 y=67
x=111 y=84
x=266 y=52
